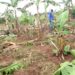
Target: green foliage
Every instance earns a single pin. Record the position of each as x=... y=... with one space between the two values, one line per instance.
x=30 y=44
x=62 y=19
x=31 y=19
x=11 y=68
x=2 y=20
x=47 y=2
x=73 y=61
x=73 y=13
x=66 y=68
x=14 y=2
x=72 y=52
x=66 y=32
x=66 y=49
x=72 y=23
x=10 y=16
x=26 y=19
x=67 y=2
x=42 y=18
x=11 y=37
x=37 y=2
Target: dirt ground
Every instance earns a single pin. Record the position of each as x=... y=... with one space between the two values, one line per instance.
x=39 y=57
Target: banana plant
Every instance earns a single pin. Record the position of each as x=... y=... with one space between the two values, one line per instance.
x=67 y=3
x=66 y=68
x=5 y=17
x=37 y=17
x=36 y=2
x=9 y=18
x=13 y=4
x=62 y=19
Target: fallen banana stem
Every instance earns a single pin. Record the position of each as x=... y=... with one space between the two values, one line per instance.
x=54 y=44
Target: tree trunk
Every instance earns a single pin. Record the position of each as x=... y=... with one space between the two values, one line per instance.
x=46 y=23
x=16 y=23
x=39 y=25
x=6 y=22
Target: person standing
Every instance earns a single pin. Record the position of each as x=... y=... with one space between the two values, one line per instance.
x=51 y=19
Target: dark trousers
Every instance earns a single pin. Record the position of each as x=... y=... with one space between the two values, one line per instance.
x=51 y=26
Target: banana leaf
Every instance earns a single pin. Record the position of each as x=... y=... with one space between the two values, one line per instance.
x=62 y=19
x=66 y=68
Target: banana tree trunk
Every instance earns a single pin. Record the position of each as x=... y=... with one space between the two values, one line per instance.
x=16 y=23
x=38 y=21
x=46 y=23
x=6 y=19
x=39 y=25
x=6 y=22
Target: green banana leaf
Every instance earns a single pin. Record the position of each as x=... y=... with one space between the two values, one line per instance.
x=66 y=68
x=62 y=19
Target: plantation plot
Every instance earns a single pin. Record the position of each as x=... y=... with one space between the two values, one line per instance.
x=40 y=43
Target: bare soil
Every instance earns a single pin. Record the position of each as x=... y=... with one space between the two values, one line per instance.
x=41 y=59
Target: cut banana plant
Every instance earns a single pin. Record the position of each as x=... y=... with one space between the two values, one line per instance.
x=56 y=50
